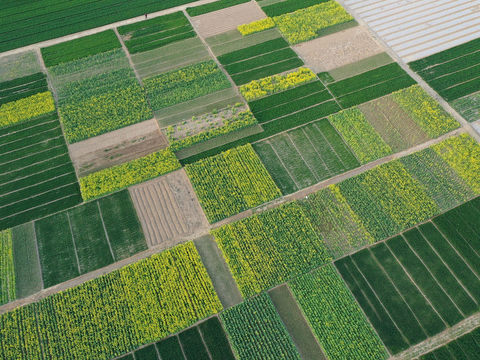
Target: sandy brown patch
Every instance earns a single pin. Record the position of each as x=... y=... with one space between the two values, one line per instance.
x=168 y=209
x=117 y=147
x=338 y=49
x=220 y=21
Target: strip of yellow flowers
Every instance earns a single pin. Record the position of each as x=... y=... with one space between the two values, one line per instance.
x=26 y=108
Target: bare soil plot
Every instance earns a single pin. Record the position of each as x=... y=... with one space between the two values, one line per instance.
x=117 y=147
x=364 y=65
x=338 y=49
x=393 y=124
x=220 y=21
x=168 y=209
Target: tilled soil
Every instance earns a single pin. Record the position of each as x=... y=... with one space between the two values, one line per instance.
x=220 y=21
x=117 y=147
x=168 y=209
x=332 y=51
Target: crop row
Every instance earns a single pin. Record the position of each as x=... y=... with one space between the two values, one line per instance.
x=231 y=182
x=256 y=331
x=214 y=6
x=185 y=84
x=112 y=314
x=157 y=32
x=7 y=273
x=120 y=176
x=267 y=249
x=335 y=317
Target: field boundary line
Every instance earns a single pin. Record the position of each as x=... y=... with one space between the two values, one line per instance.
x=98 y=29
x=464 y=327
x=105 y=230
x=445 y=105
x=129 y=57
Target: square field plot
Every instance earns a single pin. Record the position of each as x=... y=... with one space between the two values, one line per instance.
x=338 y=49
x=88 y=237
x=37 y=177
x=420 y=28
x=221 y=21
x=168 y=209
x=305 y=156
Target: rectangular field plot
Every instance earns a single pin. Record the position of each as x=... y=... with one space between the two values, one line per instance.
x=88 y=237
x=182 y=295
x=155 y=33
x=416 y=284
x=335 y=317
x=18 y=65
x=168 y=209
x=210 y=21
x=267 y=249
x=261 y=60
x=7 y=270
x=254 y=323
x=231 y=182
x=97 y=93
x=468 y=106
x=370 y=85
x=305 y=156
x=464 y=347
x=37 y=177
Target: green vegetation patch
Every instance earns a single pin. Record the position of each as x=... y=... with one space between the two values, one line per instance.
x=335 y=317
x=468 y=107
x=7 y=272
x=467 y=345
x=362 y=138
x=267 y=249
x=156 y=33
x=122 y=303
x=231 y=182
x=255 y=323
x=37 y=176
x=425 y=111
x=283 y=7
x=120 y=176
x=335 y=222
x=214 y=6
x=80 y=48
x=185 y=84
x=22 y=87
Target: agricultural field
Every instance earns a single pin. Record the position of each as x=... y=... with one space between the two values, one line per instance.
x=335 y=317
x=112 y=314
x=7 y=272
x=19 y=65
x=37 y=175
x=267 y=249
x=130 y=173
x=168 y=209
x=208 y=337
x=96 y=89
x=231 y=182
x=464 y=347
x=27 y=24
x=117 y=147
x=421 y=282
x=454 y=73
x=256 y=331
x=87 y=237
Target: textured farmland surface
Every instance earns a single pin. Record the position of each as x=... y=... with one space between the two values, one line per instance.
x=464 y=347
x=220 y=21
x=415 y=29
x=168 y=209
